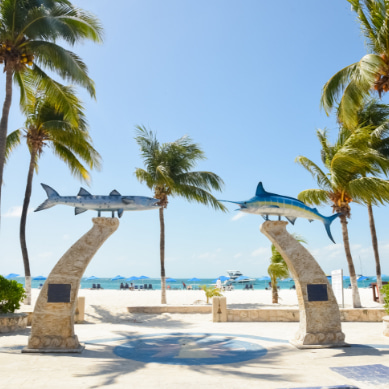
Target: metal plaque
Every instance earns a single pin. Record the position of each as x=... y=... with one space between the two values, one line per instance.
x=58 y=293
x=317 y=292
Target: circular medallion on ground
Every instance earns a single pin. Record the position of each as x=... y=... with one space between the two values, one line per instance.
x=189 y=349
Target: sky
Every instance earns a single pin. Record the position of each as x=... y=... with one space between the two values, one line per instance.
x=243 y=79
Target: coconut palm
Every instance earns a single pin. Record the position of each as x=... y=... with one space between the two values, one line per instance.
x=169 y=173
x=348 y=88
x=278 y=268
x=375 y=117
x=29 y=30
x=344 y=182
x=46 y=126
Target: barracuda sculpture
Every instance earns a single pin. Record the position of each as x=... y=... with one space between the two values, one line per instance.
x=85 y=201
x=265 y=204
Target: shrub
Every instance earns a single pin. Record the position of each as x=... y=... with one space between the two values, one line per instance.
x=11 y=295
x=210 y=292
x=385 y=292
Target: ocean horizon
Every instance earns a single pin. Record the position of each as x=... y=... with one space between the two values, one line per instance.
x=108 y=283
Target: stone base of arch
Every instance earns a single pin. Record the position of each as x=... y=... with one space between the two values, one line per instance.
x=52 y=328
x=320 y=325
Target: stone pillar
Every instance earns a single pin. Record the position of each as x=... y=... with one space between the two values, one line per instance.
x=52 y=327
x=219 y=309
x=320 y=324
x=79 y=314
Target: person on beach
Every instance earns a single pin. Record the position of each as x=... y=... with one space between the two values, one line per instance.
x=184 y=286
x=218 y=284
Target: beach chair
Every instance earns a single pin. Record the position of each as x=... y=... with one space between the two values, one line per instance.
x=150 y=286
x=99 y=286
x=136 y=287
x=145 y=286
x=93 y=286
x=140 y=287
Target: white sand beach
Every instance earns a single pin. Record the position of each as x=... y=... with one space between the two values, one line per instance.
x=110 y=306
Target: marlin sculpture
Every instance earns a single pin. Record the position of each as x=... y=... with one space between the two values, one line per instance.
x=85 y=201
x=265 y=204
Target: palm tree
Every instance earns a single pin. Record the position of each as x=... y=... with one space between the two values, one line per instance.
x=278 y=268
x=46 y=126
x=29 y=30
x=375 y=117
x=348 y=88
x=168 y=173
x=344 y=183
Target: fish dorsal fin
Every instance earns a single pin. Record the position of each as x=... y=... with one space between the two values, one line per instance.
x=115 y=193
x=260 y=191
x=83 y=192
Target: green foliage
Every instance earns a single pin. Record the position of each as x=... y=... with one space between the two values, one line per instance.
x=210 y=292
x=11 y=295
x=349 y=87
x=385 y=292
x=169 y=170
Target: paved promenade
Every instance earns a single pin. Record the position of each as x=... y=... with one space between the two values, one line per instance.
x=189 y=351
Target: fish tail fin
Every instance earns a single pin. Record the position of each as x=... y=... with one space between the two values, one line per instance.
x=50 y=191
x=49 y=202
x=327 y=224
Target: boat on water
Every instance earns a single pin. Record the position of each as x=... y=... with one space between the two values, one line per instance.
x=237 y=277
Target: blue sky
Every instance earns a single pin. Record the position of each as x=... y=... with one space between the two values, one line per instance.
x=241 y=78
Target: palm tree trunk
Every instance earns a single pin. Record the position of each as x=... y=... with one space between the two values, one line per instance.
x=274 y=291
x=162 y=255
x=4 y=123
x=351 y=269
x=22 y=231
x=375 y=249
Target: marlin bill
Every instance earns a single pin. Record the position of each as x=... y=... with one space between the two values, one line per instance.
x=85 y=201
x=265 y=204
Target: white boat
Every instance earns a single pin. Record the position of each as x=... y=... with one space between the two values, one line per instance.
x=234 y=274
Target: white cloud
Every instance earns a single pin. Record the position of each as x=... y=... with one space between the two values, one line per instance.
x=210 y=254
x=15 y=212
x=238 y=216
x=261 y=251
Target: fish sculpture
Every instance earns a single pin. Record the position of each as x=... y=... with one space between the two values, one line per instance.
x=265 y=204
x=85 y=201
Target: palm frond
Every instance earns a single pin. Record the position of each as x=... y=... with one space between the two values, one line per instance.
x=13 y=141
x=71 y=160
x=321 y=179
x=314 y=197
x=369 y=190
x=198 y=195
x=63 y=62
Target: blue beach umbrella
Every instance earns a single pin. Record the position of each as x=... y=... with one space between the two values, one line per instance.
x=133 y=278
x=143 y=278
x=194 y=279
x=91 y=278
x=170 y=280
x=265 y=278
x=11 y=275
x=362 y=278
x=118 y=278
x=40 y=278
x=222 y=278
x=346 y=277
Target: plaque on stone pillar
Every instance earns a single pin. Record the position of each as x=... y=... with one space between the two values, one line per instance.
x=317 y=292
x=58 y=293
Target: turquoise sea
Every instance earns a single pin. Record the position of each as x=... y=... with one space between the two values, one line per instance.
x=107 y=283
